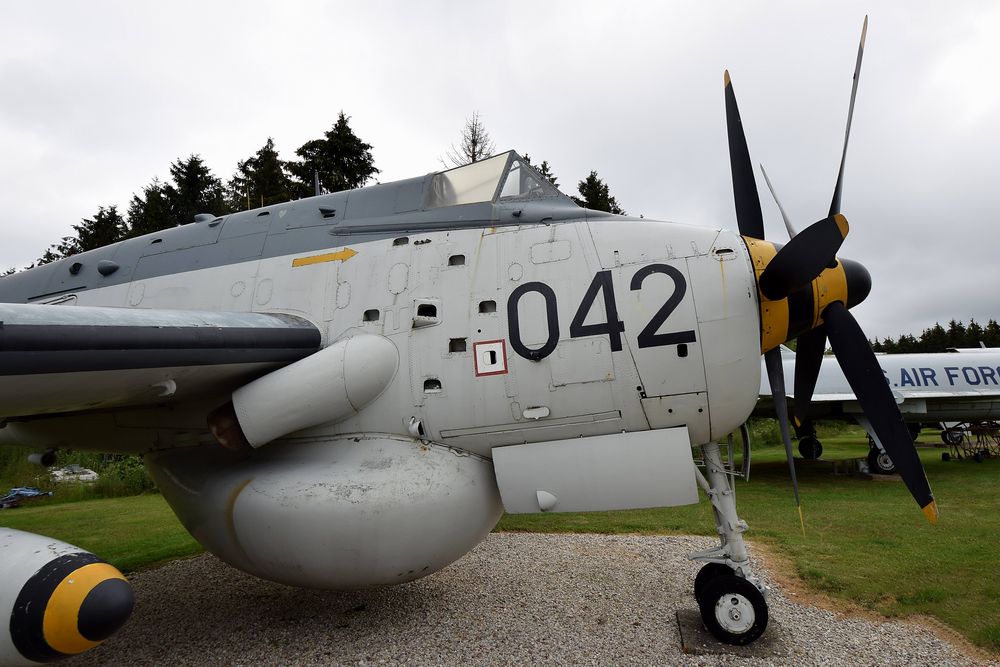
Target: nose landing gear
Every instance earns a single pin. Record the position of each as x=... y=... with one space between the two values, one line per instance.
x=730 y=598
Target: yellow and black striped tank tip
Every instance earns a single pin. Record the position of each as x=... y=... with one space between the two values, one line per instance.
x=70 y=605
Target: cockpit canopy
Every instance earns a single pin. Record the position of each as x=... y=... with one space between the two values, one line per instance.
x=503 y=177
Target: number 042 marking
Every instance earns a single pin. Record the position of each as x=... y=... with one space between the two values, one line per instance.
x=612 y=325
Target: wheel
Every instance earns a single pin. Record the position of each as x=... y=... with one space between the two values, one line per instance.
x=978 y=457
x=706 y=574
x=914 y=430
x=810 y=448
x=951 y=437
x=733 y=610
x=945 y=456
x=879 y=462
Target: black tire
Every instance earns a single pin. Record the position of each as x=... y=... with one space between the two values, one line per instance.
x=733 y=610
x=810 y=448
x=951 y=437
x=879 y=462
x=706 y=574
x=945 y=456
x=978 y=457
x=914 y=430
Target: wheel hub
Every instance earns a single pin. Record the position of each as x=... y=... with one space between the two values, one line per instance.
x=734 y=613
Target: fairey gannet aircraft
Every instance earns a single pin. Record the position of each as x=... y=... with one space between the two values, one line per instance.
x=348 y=390
x=958 y=386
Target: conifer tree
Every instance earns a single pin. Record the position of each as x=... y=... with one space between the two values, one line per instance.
x=150 y=212
x=342 y=160
x=194 y=189
x=260 y=180
x=595 y=194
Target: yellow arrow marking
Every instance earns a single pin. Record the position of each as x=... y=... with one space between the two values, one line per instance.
x=340 y=255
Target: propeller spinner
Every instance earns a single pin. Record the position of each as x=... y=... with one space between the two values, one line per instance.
x=805 y=292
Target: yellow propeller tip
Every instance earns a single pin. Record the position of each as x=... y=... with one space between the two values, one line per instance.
x=931 y=511
x=841 y=224
x=802 y=522
x=725 y=77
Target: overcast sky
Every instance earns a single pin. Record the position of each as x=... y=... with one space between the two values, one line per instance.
x=100 y=97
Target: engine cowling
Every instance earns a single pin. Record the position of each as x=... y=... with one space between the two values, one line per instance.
x=344 y=514
x=327 y=386
x=59 y=599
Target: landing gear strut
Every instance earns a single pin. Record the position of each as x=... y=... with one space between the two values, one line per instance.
x=730 y=598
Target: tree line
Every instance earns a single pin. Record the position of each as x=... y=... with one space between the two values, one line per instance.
x=939 y=339
x=339 y=160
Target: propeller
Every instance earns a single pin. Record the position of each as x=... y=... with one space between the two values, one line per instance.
x=869 y=386
x=800 y=261
x=751 y=223
x=794 y=267
x=748 y=215
x=776 y=376
x=809 y=349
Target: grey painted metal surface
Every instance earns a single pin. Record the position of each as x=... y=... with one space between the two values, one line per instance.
x=617 y=471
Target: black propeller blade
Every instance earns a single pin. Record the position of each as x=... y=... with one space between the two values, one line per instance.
x=751 y=223
x=809 y=348
x=835 y=204
x=776 y=376
x=803 y=257
x=748 y=215
x=781 y=209
x=799 y=262
x=868 y=383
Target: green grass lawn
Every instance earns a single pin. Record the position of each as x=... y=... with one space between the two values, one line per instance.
x=130 y=533
x=866 y=541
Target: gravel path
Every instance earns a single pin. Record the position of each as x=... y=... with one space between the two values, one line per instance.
x=516 y=599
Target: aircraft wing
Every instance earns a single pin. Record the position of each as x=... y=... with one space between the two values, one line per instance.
x=58 y=359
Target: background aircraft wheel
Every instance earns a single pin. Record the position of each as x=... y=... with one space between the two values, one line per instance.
x=706 y=574
x=950 y=437
x=810 y=448
x=733 y=610
x=914 y=430
x=945 y=456
x=978 y=457
x=879 y=462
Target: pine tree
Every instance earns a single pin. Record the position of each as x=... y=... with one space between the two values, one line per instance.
x=343 y=161
x=974 y=334
x=103 y=229
x=194 y=190
x=956 y=334
x=595 y=195
x=991 y=336
x=260 y=180
x=545 y=171
x=934 y=339
x=150 y=212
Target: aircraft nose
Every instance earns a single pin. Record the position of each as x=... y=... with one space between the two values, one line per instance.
x=859 y=282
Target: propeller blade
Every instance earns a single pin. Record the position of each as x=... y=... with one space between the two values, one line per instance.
x=803 y=257
x=809 y=348
x=748 y=215
x=784 y=216
x=868 y=383
x=835 y=204
x=776 y=376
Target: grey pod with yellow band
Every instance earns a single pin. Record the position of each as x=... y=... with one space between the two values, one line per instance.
x=57 y=600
